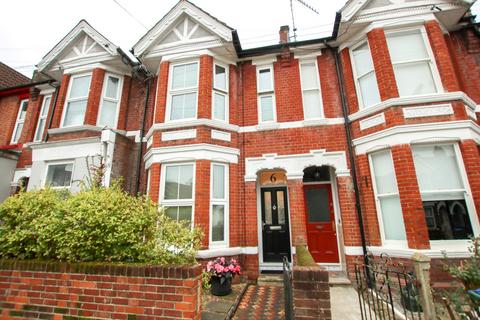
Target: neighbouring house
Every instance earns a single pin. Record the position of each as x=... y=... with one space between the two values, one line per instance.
x=366 y=139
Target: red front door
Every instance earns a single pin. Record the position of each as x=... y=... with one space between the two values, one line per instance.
x=321 y=229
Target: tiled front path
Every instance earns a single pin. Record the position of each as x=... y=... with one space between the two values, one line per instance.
x=261 y=302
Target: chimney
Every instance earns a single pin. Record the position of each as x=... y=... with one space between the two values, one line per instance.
x=284 y=34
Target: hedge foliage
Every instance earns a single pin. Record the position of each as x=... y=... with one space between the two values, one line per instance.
x=96 y=224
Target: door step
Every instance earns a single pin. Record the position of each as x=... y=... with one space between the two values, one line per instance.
x=270 y=280
x=338 y=278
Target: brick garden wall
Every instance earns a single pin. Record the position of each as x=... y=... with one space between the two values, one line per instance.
x=42 y=290
x=311 y=293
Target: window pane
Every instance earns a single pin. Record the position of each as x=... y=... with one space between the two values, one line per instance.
x=218 y=223
x=447 y=220
x=112 y=87
x=369 y=89
x=46 y=106
x=436 y=168
x=383 y=173
x=108 y=114
x=18 y=132
x=178 y=182
x=186 y=182
x=406 y=46
x=309 y=76
x=59 y=175
x=185 y=213
x=184 y=76
x=363 y=60
x=183 y=106
x=268 y=207
x=171 y=182
x=218 y=182
x=265 y=80
x=414 y=78
x=392 y=217
x=220 y=78
x=75 y=113
x=281 y=207
x=312 y=104
x=266 y=106
x=317 y=205
x=219 y=106
x=171 y=212
x=80 y=87
x=41 y=126
x=23 y=110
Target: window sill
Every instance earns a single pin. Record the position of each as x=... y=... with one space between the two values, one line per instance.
x=70 y=129
x=268 y=126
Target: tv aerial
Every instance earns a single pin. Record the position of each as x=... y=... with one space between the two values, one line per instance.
x=306 y=5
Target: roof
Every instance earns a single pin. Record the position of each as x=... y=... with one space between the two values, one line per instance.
x=11 y=78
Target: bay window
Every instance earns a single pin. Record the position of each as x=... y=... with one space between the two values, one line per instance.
x=42 y=118
x=110 y=102
x=22 y=113
x=59 y=175
x=220 y=93
x=178 y=191
x=365 y=78
x=219 y=204
x=443 y=191
x=387 y=197
x=183 y=91
x=266 y=95
x=76 y=104
x=312 y=100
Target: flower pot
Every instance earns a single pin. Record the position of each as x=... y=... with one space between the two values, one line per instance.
x=221 y=286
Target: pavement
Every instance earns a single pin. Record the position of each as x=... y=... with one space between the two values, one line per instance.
x=344 y=302
x=261 y=302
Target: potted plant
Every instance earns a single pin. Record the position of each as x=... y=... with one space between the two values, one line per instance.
x=222 y=272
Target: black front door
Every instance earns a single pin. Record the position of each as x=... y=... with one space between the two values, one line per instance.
x=275 y=230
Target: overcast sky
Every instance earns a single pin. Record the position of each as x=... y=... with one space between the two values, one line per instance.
x=30 y=28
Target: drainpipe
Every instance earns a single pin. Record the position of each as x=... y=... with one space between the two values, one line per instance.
x=338 y=66
x=54 y=106
x=142 y=133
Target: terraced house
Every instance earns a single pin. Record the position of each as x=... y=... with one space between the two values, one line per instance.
x=364 y=140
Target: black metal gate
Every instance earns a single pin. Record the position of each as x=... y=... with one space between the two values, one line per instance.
x=288 y=290
x=386 y=290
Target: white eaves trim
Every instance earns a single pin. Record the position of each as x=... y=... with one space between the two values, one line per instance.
x=70 y=149
x=452 y=251
x=418 y=133
x=430 y=98
x=218 y=252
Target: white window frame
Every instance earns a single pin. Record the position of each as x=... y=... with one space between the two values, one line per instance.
x=177 y=202
x=171 y=93
x=224 y=202
x=437 y=80
x=148 y=182
x=266 y=93
x=40 y=117
x=68 y=99
x=104 y=97
x=322 y=110
x=19 y=121
x=378 y=207
x=56 y=163
x=220 y=91
x=356 y=76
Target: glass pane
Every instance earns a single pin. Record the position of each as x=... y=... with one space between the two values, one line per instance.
x=41 y=126
x=447 y=220
x=318 y=209
x=392 y=218
x=266 y=105
x=80 y=87
x=218 y=223
x=171 y=182
x=220 y=78
x=59 y=175
x=18 y=132
x=186 y=182
x=309 y=76
x=406 y=46
x=75 y=113
x=23 y=110
x=312 y=104
x=369 y=89
x=184 y=76
x=436 y=168
x=265 y=80
x=363 y=60
x=268 y=207
x=185 y=213
x=414 y=78
x=384 y=173
x=171 y=212
x=190 y=75
x=183 y=106
x=218 y=182
x=108 y=114
x=112 y=87
x=46 y=106
x=281 y=207
x=219 y=110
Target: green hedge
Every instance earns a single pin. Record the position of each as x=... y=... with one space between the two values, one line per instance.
x=98 y=224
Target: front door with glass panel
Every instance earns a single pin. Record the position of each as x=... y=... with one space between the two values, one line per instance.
x=321 y=229
x=275 y=228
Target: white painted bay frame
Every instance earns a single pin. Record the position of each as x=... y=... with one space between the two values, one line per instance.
x=177 y=202
x=19 y=121
x=225 y=202
x=42 y=116
x=221 y=91
x=58 y=163
x=68 y=99
x=266 y=93
x=104 y=97
x=317 y=74
x=171 y=93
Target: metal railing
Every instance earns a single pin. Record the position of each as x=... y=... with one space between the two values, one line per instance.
x=288 y=289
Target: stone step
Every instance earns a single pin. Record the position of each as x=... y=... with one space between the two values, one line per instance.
x=338 y=278
x=270 y=280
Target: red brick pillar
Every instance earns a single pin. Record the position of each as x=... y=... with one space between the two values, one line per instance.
x=251 y=263
x=311 y=293
x=387 y=85
x=94 y=96
x=205 y=85
x=154 y=188
x=471 y=159
x=296 y=201
x=162 y=91
x=410 y=198
x=349 y=81
x=202 y=199
x=122 y=114
x=442 y=56
x=350 y=225
x=62 y=97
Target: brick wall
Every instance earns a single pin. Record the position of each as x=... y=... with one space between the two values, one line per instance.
x=51 y=290
x=311 y=293
x=9 y=107
x=125 y=154
x=94 y=96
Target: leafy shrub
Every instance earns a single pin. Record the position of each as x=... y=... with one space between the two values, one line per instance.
x=96 y=224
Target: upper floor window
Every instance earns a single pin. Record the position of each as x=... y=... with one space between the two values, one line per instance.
x=312 y=100
x=183 y=91
x=220 y=93
x=266 y=94
x=42 y=118
x=76 y=105
x=413 y=63
x=110 y=101
x=22 y=113
x=365 y=78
